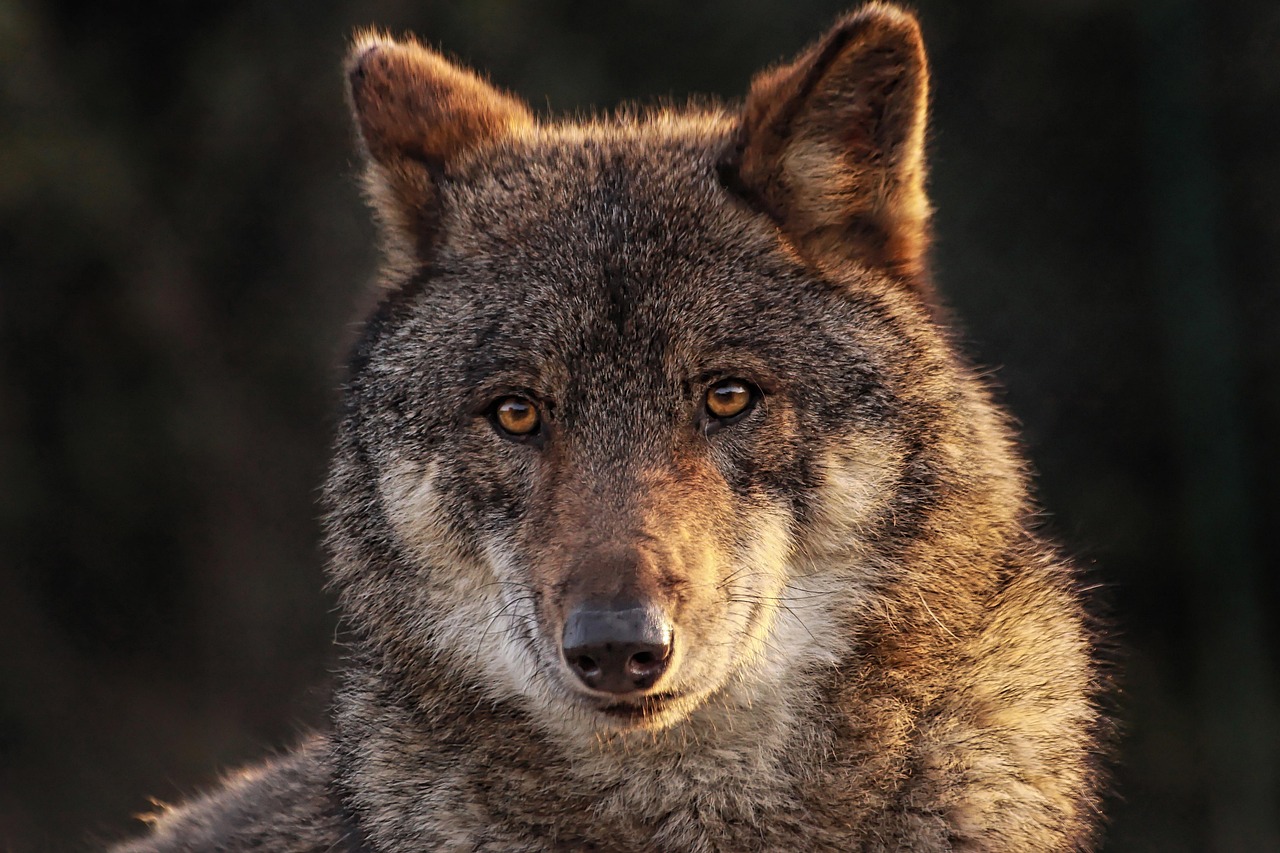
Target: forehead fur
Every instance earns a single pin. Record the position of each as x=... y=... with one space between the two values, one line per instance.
x=631 y=205
x=619 y=234
x=637 y=179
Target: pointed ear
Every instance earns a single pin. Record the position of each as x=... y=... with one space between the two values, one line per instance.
x=416 y=113
x=832 y=145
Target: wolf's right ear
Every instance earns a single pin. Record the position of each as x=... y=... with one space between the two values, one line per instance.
x=416 y=112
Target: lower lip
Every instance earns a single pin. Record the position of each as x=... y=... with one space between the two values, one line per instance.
x=627 y=710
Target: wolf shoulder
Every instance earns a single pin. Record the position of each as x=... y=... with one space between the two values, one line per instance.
x=282 y=805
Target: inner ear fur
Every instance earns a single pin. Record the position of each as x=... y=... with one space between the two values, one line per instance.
x=832 y=145
x=416 y=112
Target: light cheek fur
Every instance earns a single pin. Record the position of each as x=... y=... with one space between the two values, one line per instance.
x=855 y=495
x=477 y=613
x=814 y=582
x=794 y=620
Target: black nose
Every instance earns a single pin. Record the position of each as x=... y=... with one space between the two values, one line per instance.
x=617 y=648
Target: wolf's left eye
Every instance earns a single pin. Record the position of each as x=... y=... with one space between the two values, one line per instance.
x=729 y=399
x=517 y=416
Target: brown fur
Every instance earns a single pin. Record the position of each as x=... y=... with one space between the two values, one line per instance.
x=416 y=112
x=871 y=650
x=832 y=144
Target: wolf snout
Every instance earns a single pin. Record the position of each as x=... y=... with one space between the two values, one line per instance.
x=617 y=647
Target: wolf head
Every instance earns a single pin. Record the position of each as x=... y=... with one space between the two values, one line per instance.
x=652 y=412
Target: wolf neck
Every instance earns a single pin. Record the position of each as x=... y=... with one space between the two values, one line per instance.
x=726 y=763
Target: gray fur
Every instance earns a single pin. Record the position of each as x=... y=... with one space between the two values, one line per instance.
x=874 y=651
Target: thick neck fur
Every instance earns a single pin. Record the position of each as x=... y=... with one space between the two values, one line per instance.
x=548 y=784
x=730 y=777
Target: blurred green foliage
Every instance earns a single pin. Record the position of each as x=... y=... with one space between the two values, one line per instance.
x=182 y=249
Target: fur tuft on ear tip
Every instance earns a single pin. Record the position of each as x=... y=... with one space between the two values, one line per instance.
x=363 y=43
x=373 y=52
x=888 y=15
x=883 y=27
x=366 y=46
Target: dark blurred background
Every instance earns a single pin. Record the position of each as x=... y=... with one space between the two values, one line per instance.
x=183 y=249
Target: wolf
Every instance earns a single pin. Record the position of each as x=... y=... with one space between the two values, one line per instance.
x=663 y=513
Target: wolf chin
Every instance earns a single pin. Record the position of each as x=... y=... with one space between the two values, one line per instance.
x=663 y=514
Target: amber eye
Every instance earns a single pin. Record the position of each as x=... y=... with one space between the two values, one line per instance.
x=517 y=416
x=729 y=398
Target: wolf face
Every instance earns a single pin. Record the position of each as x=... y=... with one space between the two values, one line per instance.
x=650 y=404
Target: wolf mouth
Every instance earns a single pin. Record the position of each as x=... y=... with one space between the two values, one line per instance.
x=647 y=707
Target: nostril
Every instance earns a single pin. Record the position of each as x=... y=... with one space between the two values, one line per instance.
x=587 y=666
x=644 y=667
x=643 y=663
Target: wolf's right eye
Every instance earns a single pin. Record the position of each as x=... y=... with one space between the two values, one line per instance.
x=517 y=416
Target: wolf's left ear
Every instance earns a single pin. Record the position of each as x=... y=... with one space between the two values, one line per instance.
x=417 y=113
x=832 y=145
